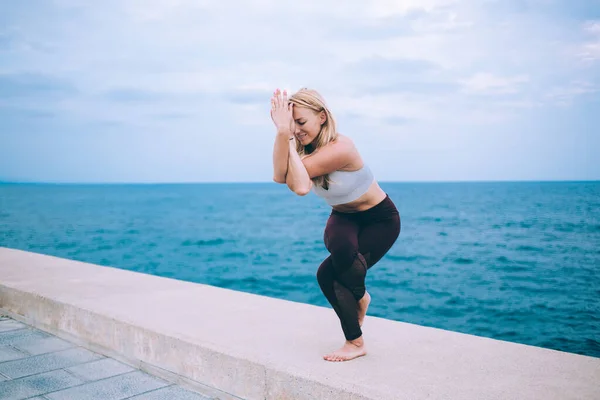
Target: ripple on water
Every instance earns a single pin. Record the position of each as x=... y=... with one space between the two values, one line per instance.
x=463 y=260
x=412 y=259
x=455 y=301
x=234 y=254
x=529 y=248
x=566 y=227
x=594 y=228
x=210 y=242
x=449 y=312
x=67 y=245
x=512 y=268
x=430 y=219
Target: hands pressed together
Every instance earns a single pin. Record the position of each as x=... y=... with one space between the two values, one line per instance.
x=282 y=113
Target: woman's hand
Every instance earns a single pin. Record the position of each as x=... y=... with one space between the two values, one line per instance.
x=281 y=113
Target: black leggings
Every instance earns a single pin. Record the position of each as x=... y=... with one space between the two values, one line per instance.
x=356 y=241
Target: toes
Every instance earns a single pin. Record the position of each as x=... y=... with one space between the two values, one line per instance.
x=337 y=357
x=342 y=356
x=331 y=357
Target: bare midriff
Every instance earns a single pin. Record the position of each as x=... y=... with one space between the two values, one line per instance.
x=371 y=198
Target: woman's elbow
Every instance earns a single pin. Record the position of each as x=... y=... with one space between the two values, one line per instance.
x=302 y=191
x=299 y=190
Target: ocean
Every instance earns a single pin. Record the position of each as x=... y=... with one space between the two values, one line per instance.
x=515 y=261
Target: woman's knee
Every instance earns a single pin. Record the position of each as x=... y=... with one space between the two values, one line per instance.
x=343 y=250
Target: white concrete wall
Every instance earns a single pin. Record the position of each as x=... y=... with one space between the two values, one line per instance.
x=255 y=347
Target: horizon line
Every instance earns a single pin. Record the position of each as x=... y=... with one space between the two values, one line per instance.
x=16 y=182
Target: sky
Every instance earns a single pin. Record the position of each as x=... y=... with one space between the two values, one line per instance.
x=157 y=91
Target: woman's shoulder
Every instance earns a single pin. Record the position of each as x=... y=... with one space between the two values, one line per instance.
x=344 y=138
x=342 y=146
x=346 y=148
x=343 y=142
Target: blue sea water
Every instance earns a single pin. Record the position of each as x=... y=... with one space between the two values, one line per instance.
x=516 y=261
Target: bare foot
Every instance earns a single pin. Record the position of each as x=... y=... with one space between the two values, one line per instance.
x=363 y=305
x=348 y=351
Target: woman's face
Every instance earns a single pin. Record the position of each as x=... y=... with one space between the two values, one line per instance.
x=308 y=124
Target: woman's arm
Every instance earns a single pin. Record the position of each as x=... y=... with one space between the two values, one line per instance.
x=297 y=177
x=331 y=157
x=281 y=155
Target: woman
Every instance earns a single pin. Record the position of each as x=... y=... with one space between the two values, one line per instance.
x=364 y=223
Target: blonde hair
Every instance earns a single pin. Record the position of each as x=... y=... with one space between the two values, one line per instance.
x=311 y=99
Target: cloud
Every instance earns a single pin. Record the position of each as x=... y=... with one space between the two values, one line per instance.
x=133 y=95
x=248 y=96
x=397 y=121
x=590 y=50
x=150 y=68
x=28 y=100
x=380 y=75
x=11 y=116
x=382 y=66
x=385 y=8
x=487 y=83
x=565 y=95
x=172 y=116
x=33 y=85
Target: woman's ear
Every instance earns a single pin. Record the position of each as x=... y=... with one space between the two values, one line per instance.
x=322 y=117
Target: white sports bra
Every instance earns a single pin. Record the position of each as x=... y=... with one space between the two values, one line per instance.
x=346 y=186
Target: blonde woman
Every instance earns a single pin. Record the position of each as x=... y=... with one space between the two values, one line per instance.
x=364 y=223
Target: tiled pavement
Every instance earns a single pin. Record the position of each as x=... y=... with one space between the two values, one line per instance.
x=40 y=366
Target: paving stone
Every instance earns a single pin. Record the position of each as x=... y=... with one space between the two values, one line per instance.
x=170 y=393
x=47 y=362
x=115 y=388
x=18 y=335
x=35 y=385
x=10 y=325
x=8 y=353
x=100 y=369
x=35 y=365
x=35 y=345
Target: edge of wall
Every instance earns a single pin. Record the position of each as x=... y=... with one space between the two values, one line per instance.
x=54 y=329
x=105 y=310
x=57 y=318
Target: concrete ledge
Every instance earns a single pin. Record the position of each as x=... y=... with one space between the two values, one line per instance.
x=254 y=347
